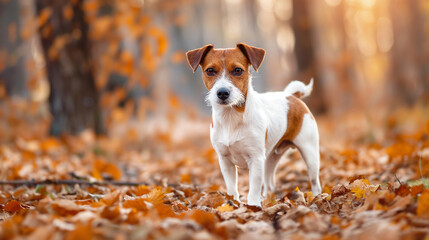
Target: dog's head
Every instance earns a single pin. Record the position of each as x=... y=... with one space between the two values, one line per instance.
x=226 y=72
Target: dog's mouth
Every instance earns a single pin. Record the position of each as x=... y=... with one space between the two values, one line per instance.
x=223 y=102
x=227 y=103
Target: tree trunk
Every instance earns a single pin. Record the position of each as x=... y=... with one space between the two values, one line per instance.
x=73 y=97
x=410 y=55
x=304 y=51
x=12 y=67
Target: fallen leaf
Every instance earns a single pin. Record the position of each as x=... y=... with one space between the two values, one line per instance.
x=13 y=206
x=205 y=219
x=423 y=204
x=138 y=204
x=225 y=208
x=156 y=196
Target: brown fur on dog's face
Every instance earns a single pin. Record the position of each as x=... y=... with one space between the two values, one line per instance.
x=226 y=61
x=232 y=64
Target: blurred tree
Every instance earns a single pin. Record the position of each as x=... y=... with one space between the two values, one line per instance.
x=304 y=51
x=410 y=52
x=12 y=64
x=73 y=97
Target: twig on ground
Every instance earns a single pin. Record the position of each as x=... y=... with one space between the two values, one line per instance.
x=68 y=182
x=398 y=180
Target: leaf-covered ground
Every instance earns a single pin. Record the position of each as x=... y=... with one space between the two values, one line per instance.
x=373 y=174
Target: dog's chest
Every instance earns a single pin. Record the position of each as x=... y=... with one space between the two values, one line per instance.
x=237 y=143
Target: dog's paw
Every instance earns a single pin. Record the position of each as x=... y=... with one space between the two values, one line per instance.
x=254 y=202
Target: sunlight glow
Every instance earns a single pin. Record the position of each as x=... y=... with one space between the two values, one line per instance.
x=333 y=3
x=283 y=9
x=285 y=38
x=384 y=34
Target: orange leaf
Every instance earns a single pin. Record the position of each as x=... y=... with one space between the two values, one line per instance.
x=68 y=12
x=225 y=208
x=101 y=26
x=178 y=57
x=13 y=206
x=140 y=190
x=57 y=46
x=327 y=189
x=49 y=144
x=161 y=39
x=427 y=127
x=214 y=188
x=403 y=190
x=100 y=167
x=205 y=219
x=211 y=156
x=127 y=63
x=133 y=217
x=110 y=213
x=91 y=6
x=174 y=101
x=3 y=55
x=111 y=198
x=45 y=14
x=64 y=207
x=399 y=149
x=417 y=189
x=164 y=211
x=3 y=93
x=423 y=204
x=360 y=193
x=156 y=196
x=147 y=58
x=82 y=232
x=138 y=204
x=186 y=178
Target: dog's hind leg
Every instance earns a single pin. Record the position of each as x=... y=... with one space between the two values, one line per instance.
x=307 y=141
x=270 y=172
x=271 y=166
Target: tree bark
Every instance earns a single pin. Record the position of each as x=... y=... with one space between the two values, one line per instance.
x=410 y=54
x=12 y=73
x=73 y=97
x=304 y=51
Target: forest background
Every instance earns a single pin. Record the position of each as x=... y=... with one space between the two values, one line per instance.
x=95 y=91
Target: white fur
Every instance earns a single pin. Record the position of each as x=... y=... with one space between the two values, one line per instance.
x=299 y=87
x=239 y=138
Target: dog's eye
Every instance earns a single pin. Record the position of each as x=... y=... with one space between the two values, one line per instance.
x=237 y=71
x=210 y=71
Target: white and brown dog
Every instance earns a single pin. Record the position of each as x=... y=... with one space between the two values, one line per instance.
x=252 y=130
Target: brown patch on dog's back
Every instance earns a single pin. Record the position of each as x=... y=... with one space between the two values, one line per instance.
x=295 y=117
x=298 y=94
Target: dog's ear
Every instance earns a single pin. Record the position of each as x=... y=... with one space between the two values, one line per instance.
x=196 y=56
x=254 y=54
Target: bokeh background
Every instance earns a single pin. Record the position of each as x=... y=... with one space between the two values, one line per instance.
x=119 y=67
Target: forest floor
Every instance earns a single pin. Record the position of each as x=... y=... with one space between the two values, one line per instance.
x=374 y=176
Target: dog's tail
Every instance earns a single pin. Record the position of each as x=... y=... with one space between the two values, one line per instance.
x=299 y=89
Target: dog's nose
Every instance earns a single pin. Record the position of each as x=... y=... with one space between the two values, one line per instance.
x=223 y=93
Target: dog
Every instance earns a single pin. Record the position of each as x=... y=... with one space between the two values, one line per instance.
x=252 y=130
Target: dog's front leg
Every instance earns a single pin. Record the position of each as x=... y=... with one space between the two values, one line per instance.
x=256 y=175
x=229 y=172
